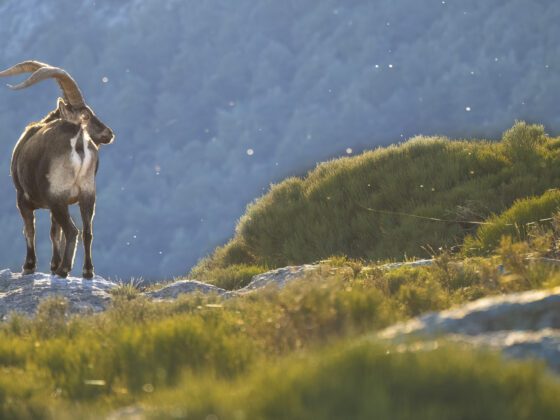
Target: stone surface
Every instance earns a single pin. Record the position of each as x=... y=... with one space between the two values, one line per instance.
x=23 y=293
x=172 y=290
x=279 y=277
x=521 y=325
x=417 y=263
x=531 y=310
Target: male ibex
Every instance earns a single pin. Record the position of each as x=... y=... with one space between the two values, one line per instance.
x=54 y=165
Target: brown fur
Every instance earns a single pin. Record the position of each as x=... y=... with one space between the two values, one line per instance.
x=43 y=151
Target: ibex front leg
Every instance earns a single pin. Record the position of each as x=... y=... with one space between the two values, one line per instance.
x=28 y=216
x=87 y=210
x=57 y=244
x=70 y=232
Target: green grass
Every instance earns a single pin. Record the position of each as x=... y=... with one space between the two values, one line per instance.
x=367 y=380
x=188 y=353
x=231 y=277
x=301 y=220
x=526 y=216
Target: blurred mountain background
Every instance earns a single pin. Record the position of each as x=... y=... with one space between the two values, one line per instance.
x=211 y=101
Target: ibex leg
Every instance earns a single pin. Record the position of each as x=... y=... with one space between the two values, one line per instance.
x=56 y=240
x=87 y=210
x=70 y=231
x=28 y=216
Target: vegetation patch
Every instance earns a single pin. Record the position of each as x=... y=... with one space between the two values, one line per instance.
x=231 y=277
x=366 y=380
x=303 y=351
x=166 y=355
x=382 y=203
x=525 y=219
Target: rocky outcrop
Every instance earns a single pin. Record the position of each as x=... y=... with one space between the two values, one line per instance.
x=280 y=277
x=23 y=293
x=173 y=290
x=520 y=325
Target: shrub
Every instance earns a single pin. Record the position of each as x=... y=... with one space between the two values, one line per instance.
x=516 y=222
x=52 y=316
x=360 y=207
x=231 y=277
x=523 y=140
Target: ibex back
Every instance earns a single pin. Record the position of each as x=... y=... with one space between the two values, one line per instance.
x=54 y=165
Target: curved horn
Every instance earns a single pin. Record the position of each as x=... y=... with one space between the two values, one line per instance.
x=23 y=67
x=67 y=84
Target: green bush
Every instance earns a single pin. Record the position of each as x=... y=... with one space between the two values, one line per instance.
x=326 y=213
x=522 y=141
x=231 y=277
x=516 y=222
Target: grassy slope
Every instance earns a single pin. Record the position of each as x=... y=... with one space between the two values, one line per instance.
x=305 y=220
x=295 y=353
x=301 y=352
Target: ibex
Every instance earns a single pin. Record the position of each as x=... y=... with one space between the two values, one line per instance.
x=54 y=164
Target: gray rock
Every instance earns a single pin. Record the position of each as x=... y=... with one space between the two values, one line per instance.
x=22 y=294
x=531 y=310
x=417 y=263
x=542 y=344
x=171 y=291
x=279 y=277
x=520 y=325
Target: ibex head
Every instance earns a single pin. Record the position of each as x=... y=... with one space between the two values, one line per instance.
x=72 y=107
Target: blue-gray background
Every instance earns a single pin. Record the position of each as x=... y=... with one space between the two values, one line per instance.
x=190 y=86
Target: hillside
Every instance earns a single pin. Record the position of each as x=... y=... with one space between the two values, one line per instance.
x=343 y=338
x=308 y=350
x=382 y=204
x=190 y=87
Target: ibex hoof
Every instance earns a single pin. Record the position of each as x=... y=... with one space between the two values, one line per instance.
x=61 y=273
x=28 y=271
x=88 y=274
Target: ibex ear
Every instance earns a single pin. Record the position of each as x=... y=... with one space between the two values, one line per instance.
x=63 y=109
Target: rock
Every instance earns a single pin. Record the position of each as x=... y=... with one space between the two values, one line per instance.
x=279 y=277
x=542 y=344
x=417 y=263
x=24 y=293
x=171 y=291
x=531 y=310
x=19 y=293
x=521 y=325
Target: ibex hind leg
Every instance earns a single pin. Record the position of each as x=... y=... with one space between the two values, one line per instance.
x=87 y=210
x=28 y=216
x=62 y=217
